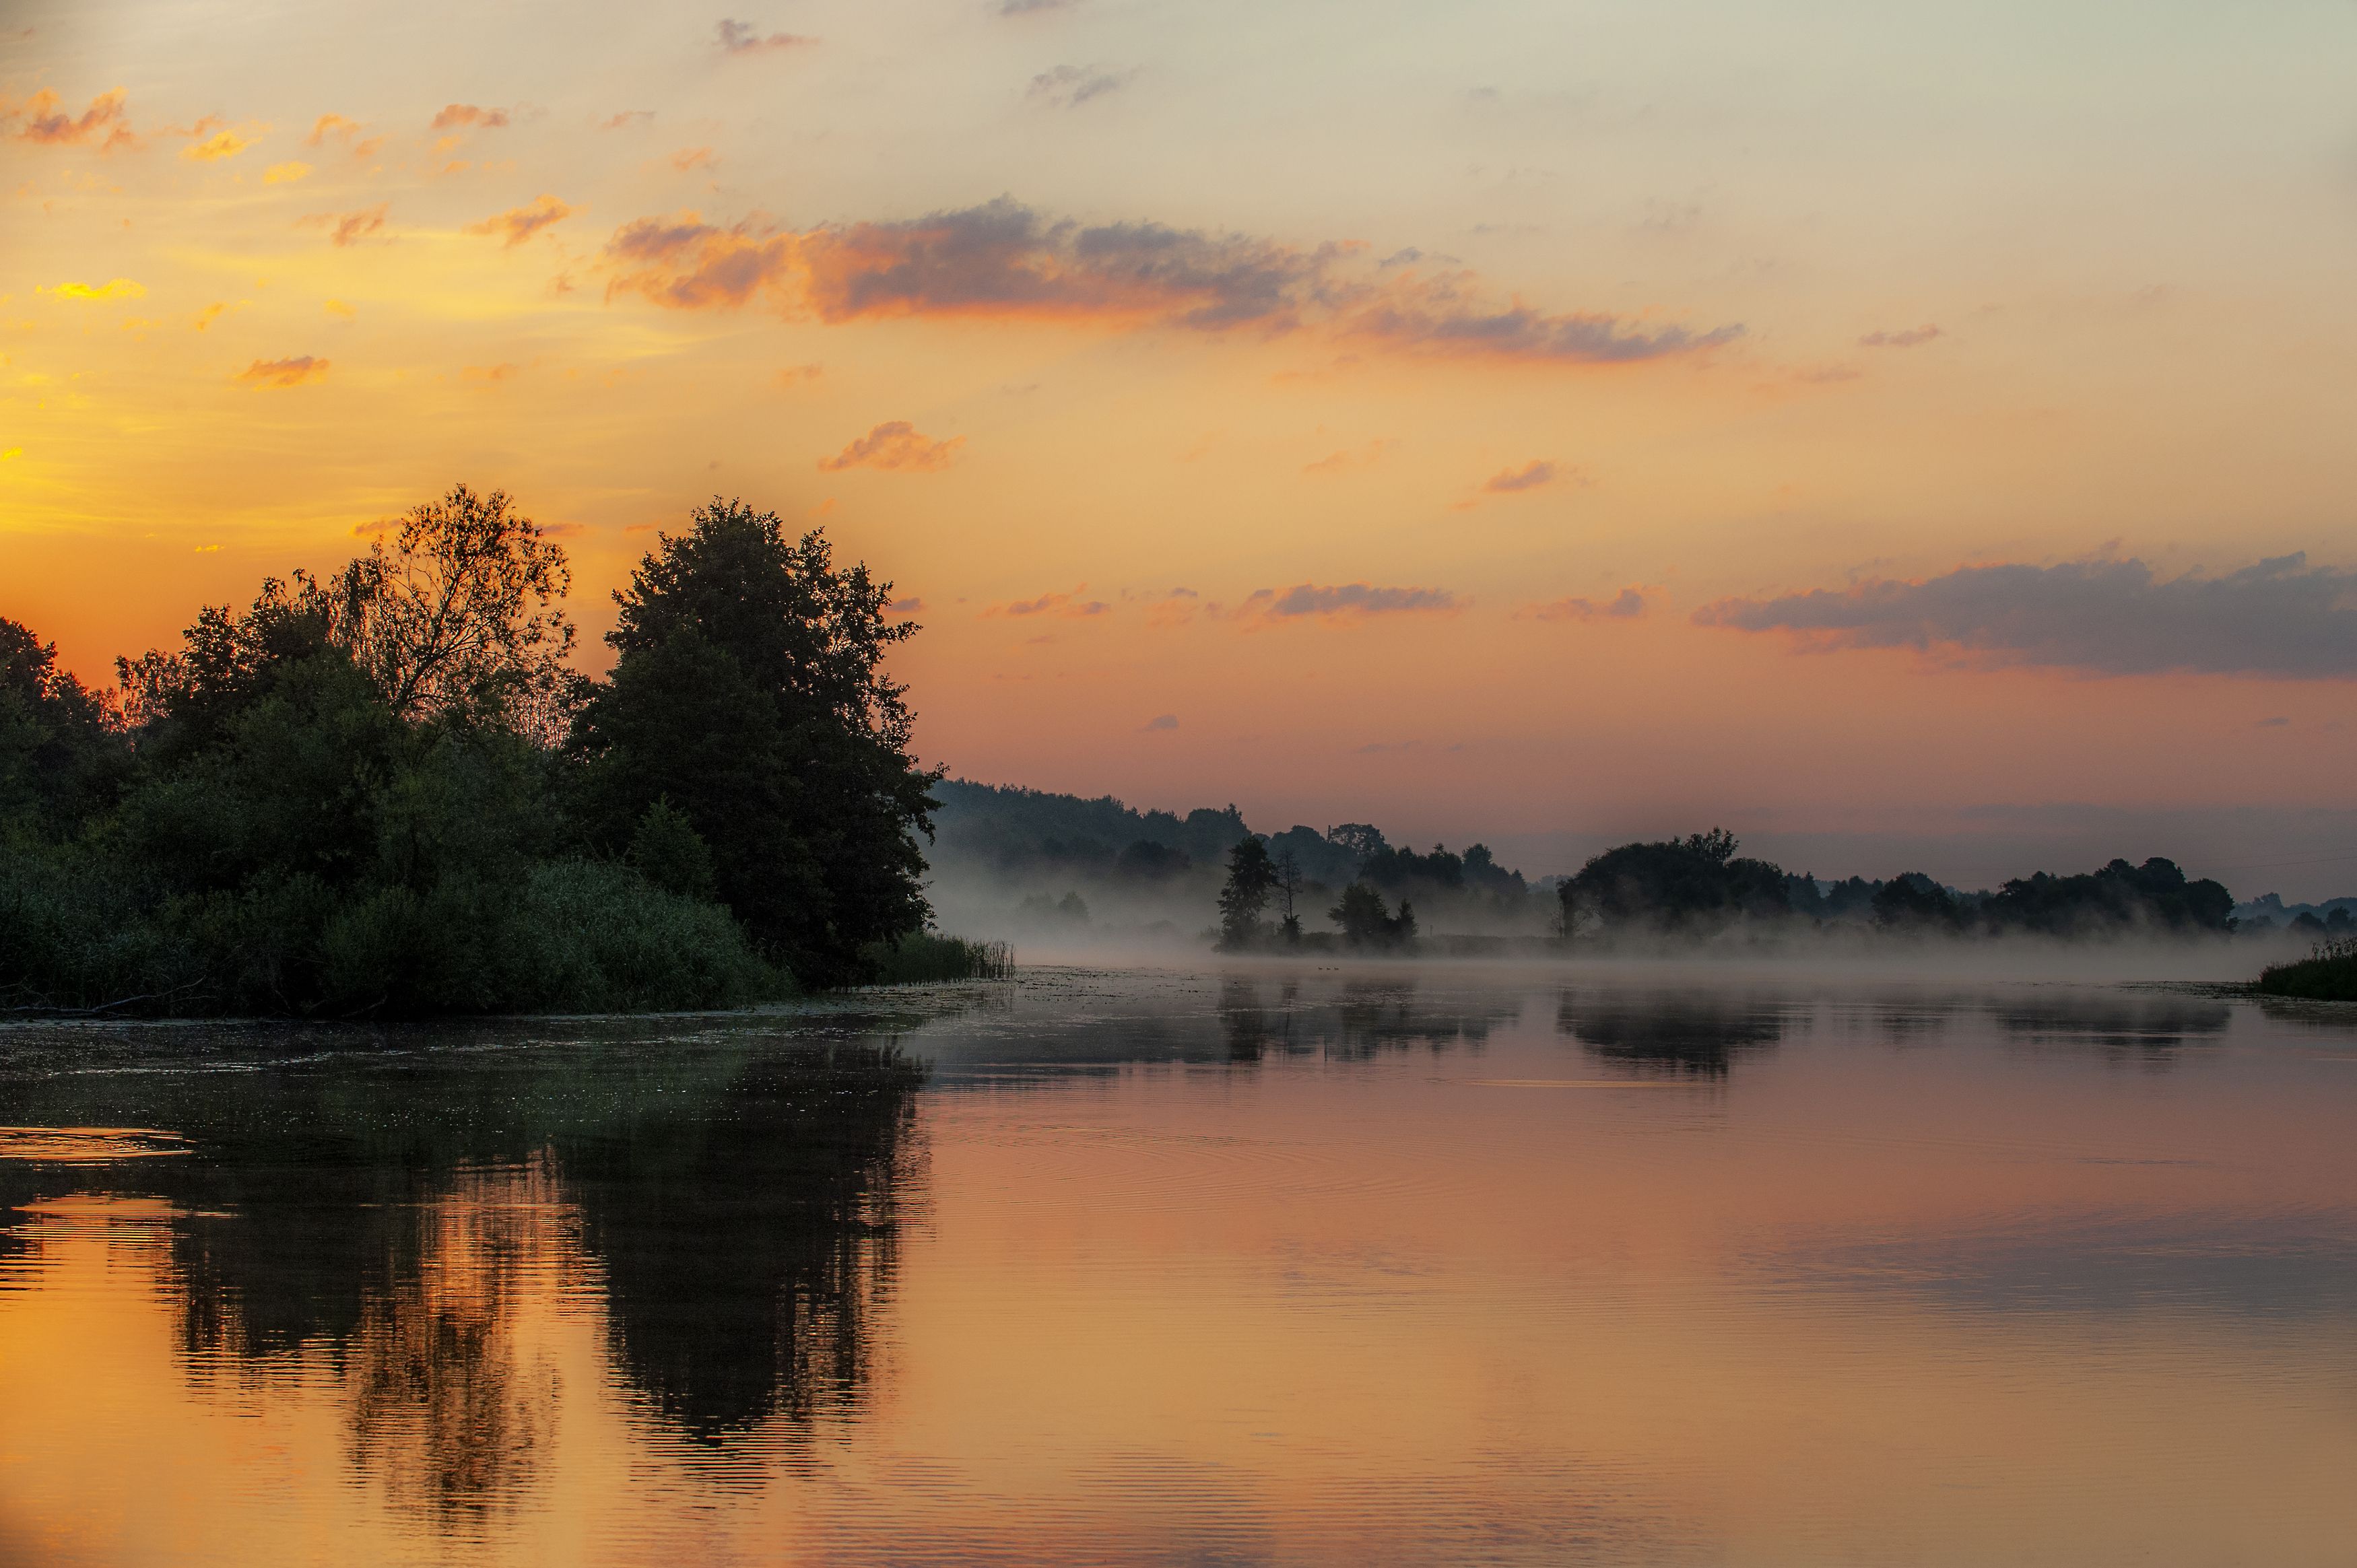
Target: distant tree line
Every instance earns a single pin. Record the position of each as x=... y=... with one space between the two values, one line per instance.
x=1699 y=885
x=1697 y=888
x=387 y=790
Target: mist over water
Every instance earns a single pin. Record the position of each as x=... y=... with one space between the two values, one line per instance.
x=1638 y=1261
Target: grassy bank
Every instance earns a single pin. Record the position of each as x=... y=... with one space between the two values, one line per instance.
x=2328 y=975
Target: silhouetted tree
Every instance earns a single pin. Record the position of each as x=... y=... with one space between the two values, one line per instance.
x=1678 y=885
x=62 y=755
x=1367 y=922
x=2156 y=896
x=750 y=693
x=1251 y=878
x=1913 y=902
x=1288 y=887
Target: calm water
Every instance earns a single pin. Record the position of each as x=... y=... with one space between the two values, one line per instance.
x=1341 y=1265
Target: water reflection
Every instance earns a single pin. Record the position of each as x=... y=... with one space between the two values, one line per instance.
x=1194 y=1267
x=1670 y=1035
x=2118 y=1026
x=387 y=1218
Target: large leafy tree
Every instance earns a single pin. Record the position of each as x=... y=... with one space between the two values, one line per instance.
x=751 y=696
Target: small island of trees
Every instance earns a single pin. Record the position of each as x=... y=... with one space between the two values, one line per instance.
x=387 y=792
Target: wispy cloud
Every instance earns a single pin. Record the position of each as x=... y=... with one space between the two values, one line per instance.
x=337 y=127
x=625 y=118
x=470 y=116
x=1159 y=722
x=1347 y=600
x=1627 y=605
x=1070 y=607
x=519 y=224
x=688 y=159
x=1366 y=456
x=897 y=446
x=743 y=39
x=112 y=288
x=215 y=147
x=2278 y=617
x=349 y=227
x=1004 y=259
x=41 y=119
x=1530 y=477
x=1033 y=7
x=285 y=173
x=1070 y=86
x=1906 y=339
x=291 y=373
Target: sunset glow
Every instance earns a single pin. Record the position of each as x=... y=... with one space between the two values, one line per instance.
x=1904 y=436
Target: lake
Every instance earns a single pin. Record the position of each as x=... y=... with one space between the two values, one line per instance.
x=1339 y=1264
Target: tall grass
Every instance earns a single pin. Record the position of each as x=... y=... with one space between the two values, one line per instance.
x=927 y=956
x=2328 y=974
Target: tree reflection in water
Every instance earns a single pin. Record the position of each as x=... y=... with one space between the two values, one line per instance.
x=394 y=1222
x=1366 y=1018
x=1672 y=1035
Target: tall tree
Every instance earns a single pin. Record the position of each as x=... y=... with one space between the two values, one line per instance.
x=750 y=694
x=1252 y=876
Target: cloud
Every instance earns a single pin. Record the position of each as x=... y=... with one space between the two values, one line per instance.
x=487 y=375
x=688 y=159
x=1348 y=599
x=283 y=373
x=743 y=39
x=1364 y=457
x=214 y=148
x=112 y=288
x=795 y=375
x=349 y=227
x=1003 y=259
x=907 y=607
x=2280 y=617
x=1070 y=86
x=1627 y=605
x=898 y=447
x=455 y=116
x=284 y=173
x=1531 y=476
x=519 y=224
x=688 y=265
x=327 y=125
x=626 y=117
x=1159 y=722
x=1072 y=607
x=47 y=123
x=1033 y=7
x=1906 y=340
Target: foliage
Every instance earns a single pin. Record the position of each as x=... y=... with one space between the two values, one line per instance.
x=750 y=694
x=2156 y=896
x=1913 y=902
x=344 y=798
x=461 y=613
x=2328 y=974
x=1367 y=922
x=62 y=754
x=1689 y=885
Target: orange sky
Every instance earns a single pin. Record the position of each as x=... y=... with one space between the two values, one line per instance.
x=1475 y=326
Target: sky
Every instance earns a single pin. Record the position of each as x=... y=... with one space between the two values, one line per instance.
x=1915 y=437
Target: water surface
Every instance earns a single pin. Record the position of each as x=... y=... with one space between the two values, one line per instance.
x=1344 y=1264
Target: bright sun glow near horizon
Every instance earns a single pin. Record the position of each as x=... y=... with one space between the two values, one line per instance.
x=1910 y=436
